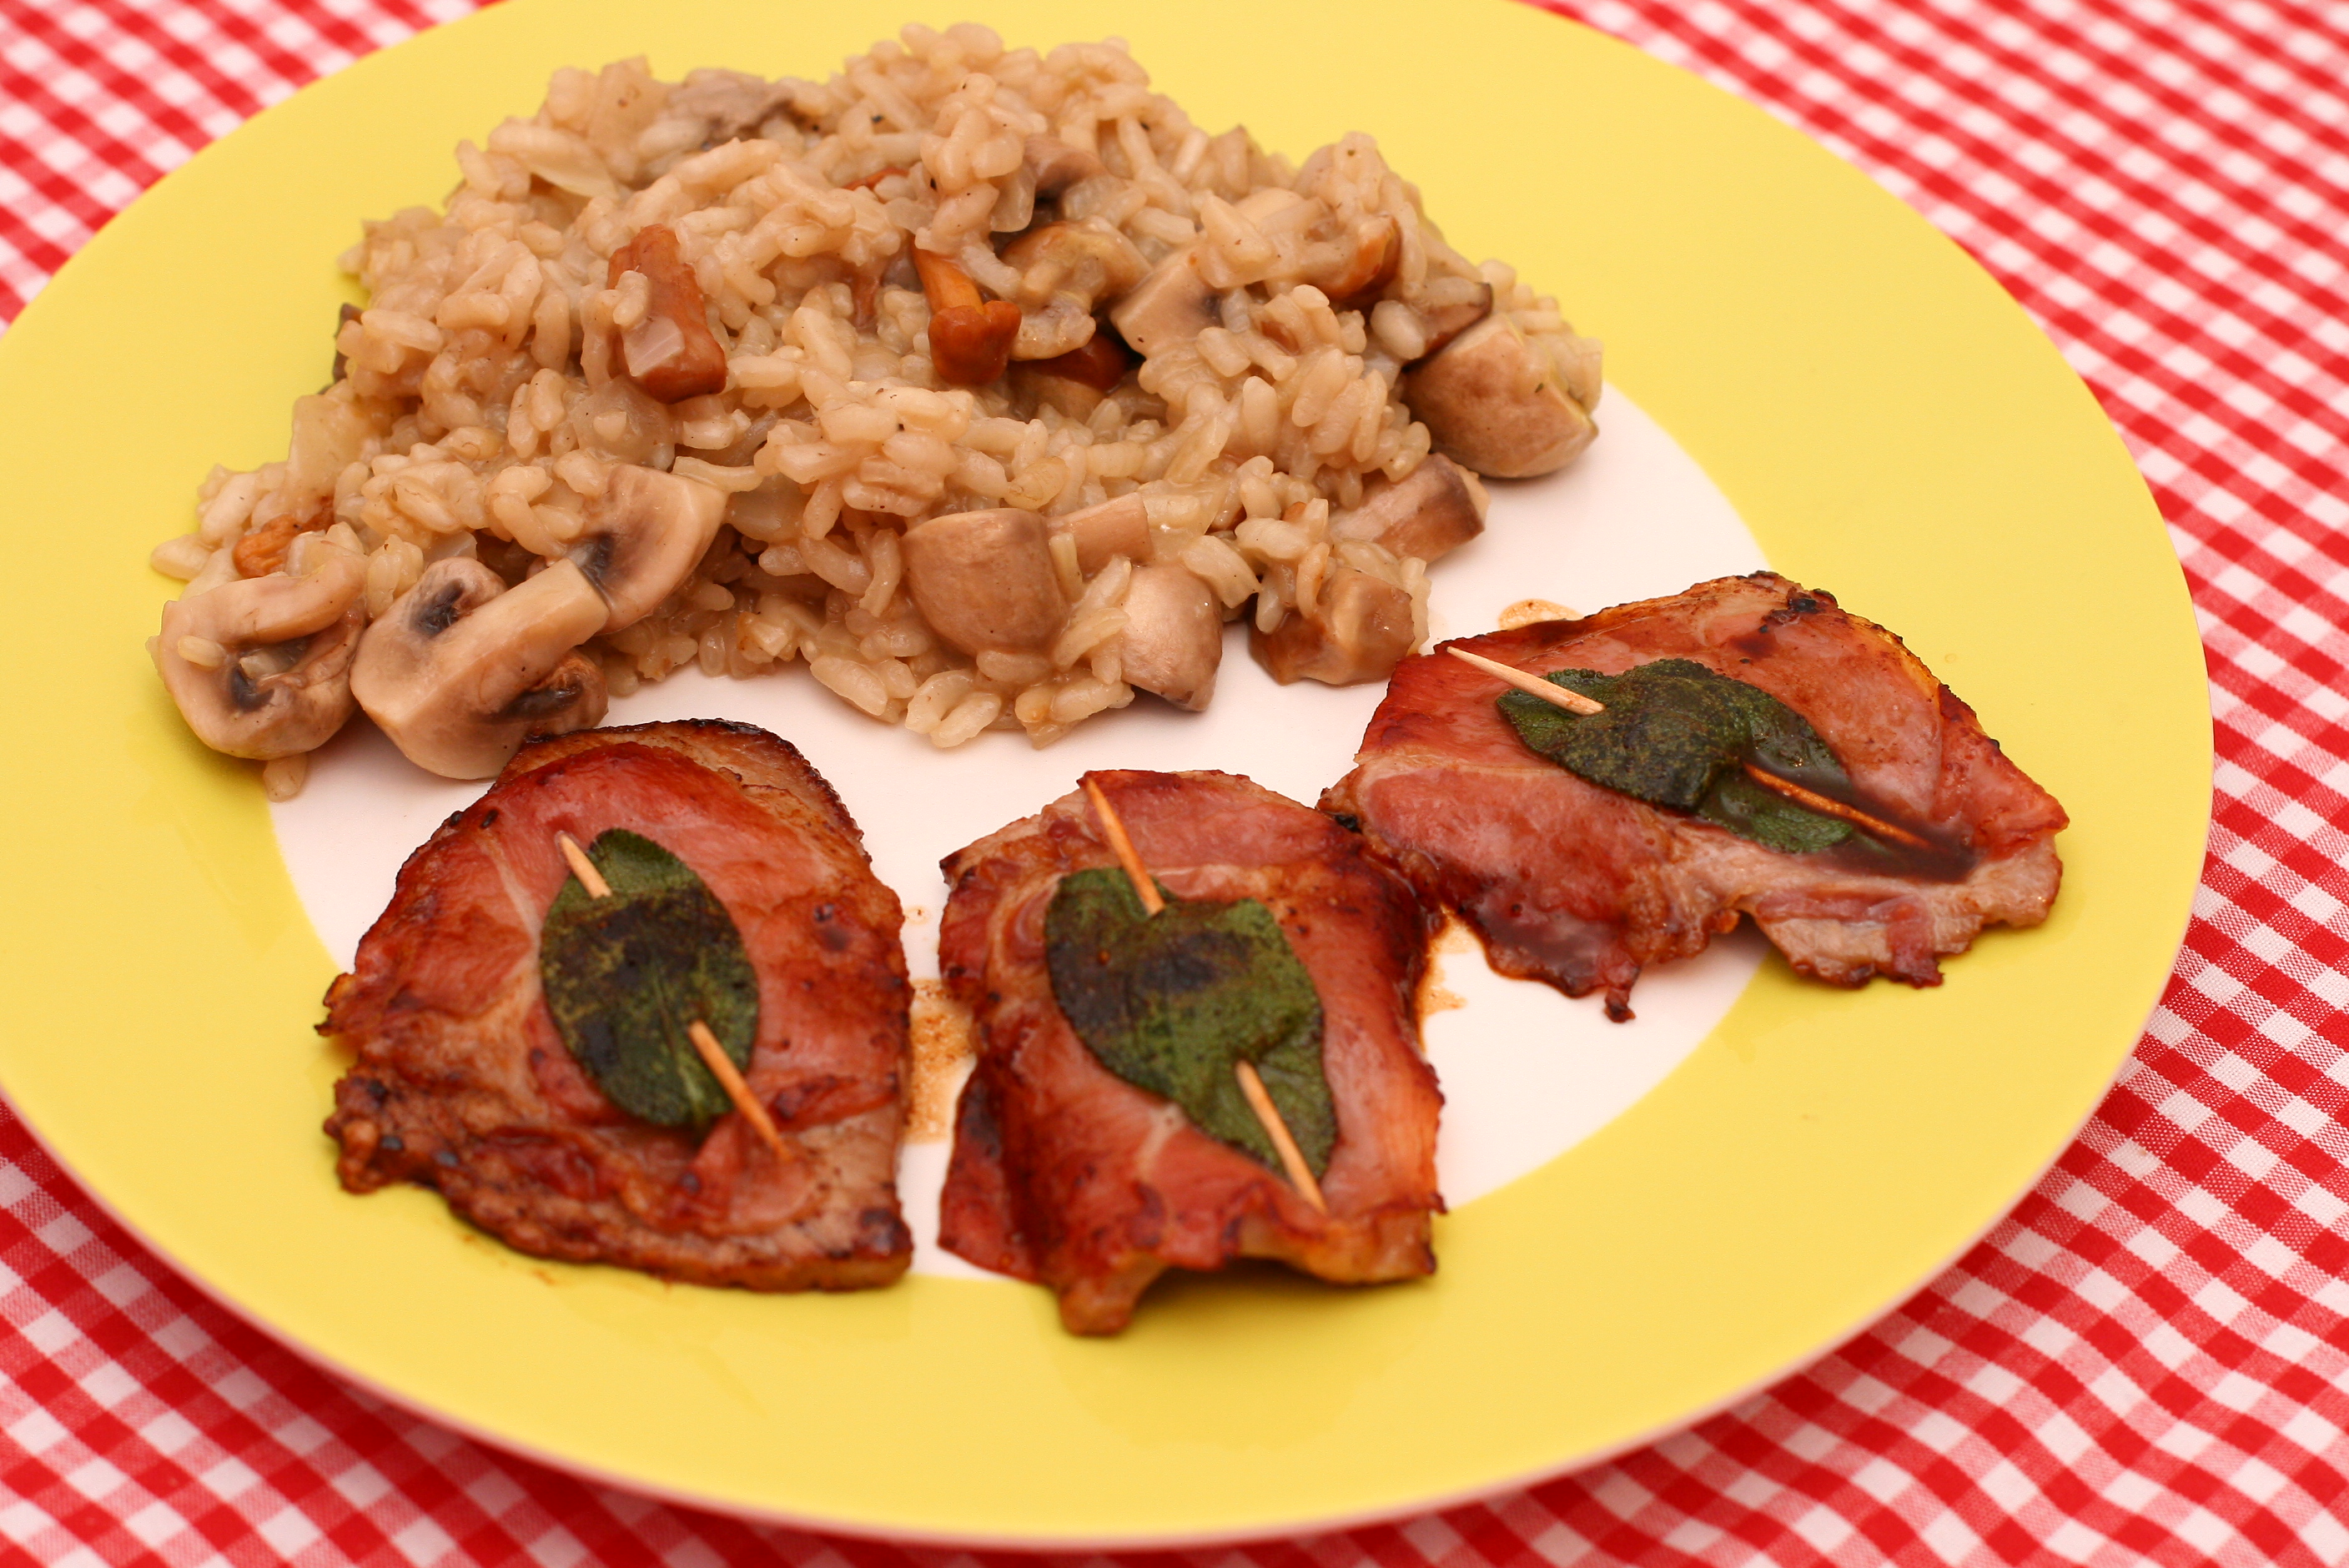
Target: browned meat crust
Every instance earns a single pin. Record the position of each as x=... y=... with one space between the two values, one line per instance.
x=461 y=1083
x=1576 y=885
x=1064 y=1173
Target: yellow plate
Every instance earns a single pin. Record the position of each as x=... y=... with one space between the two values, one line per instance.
x=1887 y=421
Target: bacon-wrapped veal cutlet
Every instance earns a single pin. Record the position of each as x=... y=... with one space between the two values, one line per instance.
x=462 y=1082
x=1065 y=1174
x=1580 y=886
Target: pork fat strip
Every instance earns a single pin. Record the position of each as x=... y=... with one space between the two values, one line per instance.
x=1064 y=1173
x=462 y=1083
x=1574 y=884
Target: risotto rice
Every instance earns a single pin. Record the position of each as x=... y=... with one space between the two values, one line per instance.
x=525 y=349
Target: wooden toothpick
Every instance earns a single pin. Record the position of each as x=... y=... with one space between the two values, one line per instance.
x=722 y=1069
x=1252 y=1089
x=1532 y=685
x=1292 y=1158
x=1573 y=702
x=1122 y=848
x=713 y=1055
x=583 y=868
x=1828 y=806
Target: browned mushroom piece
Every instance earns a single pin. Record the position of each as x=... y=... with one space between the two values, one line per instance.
x=1362 y=632
x=1495 y=402
x=1367 y=262
x=264 y=550
x=1170 y=306
x=670 y=351
x=1120 y=526
x=1074 y=383
x=1065 y=269
x=1174 y=638
x=970 y=336
x=985 y=580
x=1436 y=507
x=1057 y=166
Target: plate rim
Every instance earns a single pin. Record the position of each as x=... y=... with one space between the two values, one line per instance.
x=1075 y=1539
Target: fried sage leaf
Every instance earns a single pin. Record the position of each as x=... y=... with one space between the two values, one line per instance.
x=1677 y=733
x=625 y=977
x=1172 y=1002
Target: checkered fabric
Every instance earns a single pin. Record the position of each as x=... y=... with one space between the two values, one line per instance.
x=2148 y=1363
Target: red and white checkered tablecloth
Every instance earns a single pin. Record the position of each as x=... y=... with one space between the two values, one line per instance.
x=2148 y=1363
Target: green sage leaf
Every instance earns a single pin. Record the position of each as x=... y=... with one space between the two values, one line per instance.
x=1172 y=1002
x=626 y=974
x=1677 y=733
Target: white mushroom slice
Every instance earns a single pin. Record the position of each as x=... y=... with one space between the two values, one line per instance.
x=1493 y=401
x=1169 y=306
x=1361 y=634
x=273 y=674
x=1057 y=166
x=1174 y=636
x=642 y=535
x=1430 y=511
x=1109 y=530
x=984 y=580
x=1065 y=269
x=462 y=669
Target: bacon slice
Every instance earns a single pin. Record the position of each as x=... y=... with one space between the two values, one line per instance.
x=1066 y=1174
x=1574 y=884
x=461 y=1083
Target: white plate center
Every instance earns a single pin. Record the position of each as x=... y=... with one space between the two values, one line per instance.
x=1526 y=1074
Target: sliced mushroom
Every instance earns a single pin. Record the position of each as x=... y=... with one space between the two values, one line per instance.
x=1076 y=382
x=1066 y=269
x=642 y=535
x=272 y=676
x=1174 y=636
x=984 y=580
x=1493 y=401
x=971 y=335
x=1446 y=322
x=1114 y=527
x=1362 y=632
x=729 y=104
x=1057 y=166
x=462 y=669
x=1170 y=306
x=670 y=351
x=1434 y=509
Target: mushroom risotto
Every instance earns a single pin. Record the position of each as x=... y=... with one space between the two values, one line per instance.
x=980 y=380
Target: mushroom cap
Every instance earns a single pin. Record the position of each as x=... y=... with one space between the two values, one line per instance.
x=1066 y=269
x=284 y=684
x=1169 y=306
x=1429 y=513
x=643 y=535
x=985 y=580
x=1174 y=638
x=1495 y=402
x=462 y=669
x=1362 y=632
x=1109 y=529
x=1057 y=165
